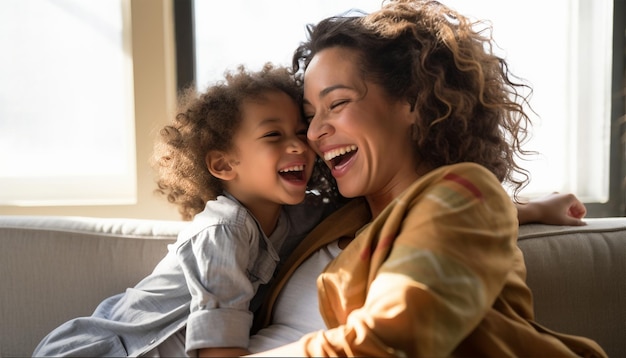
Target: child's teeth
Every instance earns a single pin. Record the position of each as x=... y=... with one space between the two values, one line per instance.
x=297 y=168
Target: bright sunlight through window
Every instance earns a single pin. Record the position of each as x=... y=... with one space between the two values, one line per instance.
x=66 y=108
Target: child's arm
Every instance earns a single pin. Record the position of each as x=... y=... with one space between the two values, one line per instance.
x=553 y=209
x=222 y=352
x=214 y=261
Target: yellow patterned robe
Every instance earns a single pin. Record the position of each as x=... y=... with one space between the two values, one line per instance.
x=437 y=274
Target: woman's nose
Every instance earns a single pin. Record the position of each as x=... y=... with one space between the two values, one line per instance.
x=318 y=128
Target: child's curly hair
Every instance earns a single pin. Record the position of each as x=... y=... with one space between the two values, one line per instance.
x=468 y=108
x=208 y=122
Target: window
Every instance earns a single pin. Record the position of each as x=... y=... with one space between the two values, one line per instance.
x=563 y=49
x=564 y=54
x=66 y=103
x=262 y=32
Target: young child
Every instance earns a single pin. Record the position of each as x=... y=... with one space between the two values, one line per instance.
x=231 y=159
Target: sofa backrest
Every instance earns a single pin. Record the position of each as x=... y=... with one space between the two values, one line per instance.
x=58 y=268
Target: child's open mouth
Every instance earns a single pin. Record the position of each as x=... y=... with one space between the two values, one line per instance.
x=293 y=174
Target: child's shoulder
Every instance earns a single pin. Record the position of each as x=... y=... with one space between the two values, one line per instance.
x=223 y=211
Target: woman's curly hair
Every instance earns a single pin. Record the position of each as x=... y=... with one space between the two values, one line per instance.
x=207 y=122
x=467 y=106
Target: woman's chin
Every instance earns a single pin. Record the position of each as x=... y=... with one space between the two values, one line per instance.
x=348 y=191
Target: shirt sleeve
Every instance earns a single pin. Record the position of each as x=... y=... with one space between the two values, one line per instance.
x=215 y=263
x=450 y=249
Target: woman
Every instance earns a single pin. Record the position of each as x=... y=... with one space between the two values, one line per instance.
x=417 y=118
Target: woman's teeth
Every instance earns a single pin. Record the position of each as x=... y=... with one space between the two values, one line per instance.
x=330 y=155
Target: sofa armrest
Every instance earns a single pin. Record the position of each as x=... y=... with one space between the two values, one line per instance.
x=578 y=279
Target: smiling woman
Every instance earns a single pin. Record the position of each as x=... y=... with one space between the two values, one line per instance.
x=424 y=260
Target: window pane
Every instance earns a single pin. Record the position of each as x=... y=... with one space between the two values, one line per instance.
x=223 y=42
x=66 y=109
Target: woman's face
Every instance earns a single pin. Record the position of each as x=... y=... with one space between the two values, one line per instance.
x=363 y=135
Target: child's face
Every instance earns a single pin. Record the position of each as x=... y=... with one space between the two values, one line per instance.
x=272 y=159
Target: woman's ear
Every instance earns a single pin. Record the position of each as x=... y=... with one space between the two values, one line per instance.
x=409 y=113
x=219 y=166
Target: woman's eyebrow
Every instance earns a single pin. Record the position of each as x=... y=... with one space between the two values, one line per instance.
x=327 y=90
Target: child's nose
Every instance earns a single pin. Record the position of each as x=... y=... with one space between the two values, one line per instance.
x=298 y=146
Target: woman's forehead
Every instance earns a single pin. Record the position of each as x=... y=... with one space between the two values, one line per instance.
x=332 y=68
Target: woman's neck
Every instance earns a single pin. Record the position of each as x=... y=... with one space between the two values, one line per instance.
x=377 y=203
x=380 y=200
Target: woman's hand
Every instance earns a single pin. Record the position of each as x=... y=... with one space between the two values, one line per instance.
x=553 y=209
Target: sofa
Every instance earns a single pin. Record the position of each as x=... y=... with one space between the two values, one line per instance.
x=57 y=268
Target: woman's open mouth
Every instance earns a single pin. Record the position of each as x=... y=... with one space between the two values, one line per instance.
x=338 y=157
